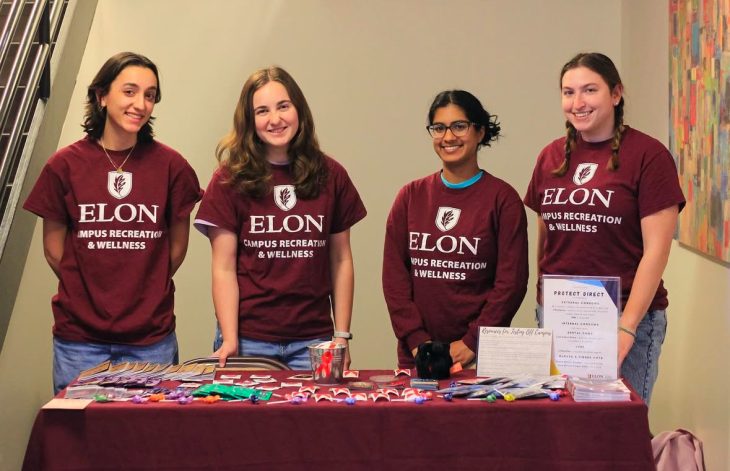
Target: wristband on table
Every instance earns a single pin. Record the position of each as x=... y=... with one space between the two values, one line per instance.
x=628 y=331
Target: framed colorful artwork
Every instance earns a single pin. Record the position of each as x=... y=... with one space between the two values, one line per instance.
x=699 y=127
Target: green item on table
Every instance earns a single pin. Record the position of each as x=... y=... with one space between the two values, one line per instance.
x=229 y=392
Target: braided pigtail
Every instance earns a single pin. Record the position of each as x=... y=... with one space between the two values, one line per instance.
x=603 y=66
x=618 y=134
x=569 y=146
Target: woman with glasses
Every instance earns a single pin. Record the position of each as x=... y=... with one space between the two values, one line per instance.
x=630 y=218
x=278 y=213
x=455 y=254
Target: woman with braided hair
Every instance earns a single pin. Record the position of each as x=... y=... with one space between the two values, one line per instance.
x=607 y=198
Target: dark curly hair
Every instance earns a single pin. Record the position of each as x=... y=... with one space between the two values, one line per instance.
x=473 y=110
x=95 y=114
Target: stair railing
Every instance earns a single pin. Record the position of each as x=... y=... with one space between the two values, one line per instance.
x=48 y=19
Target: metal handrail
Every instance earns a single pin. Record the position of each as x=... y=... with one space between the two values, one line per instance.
x=9 y=29
x=10 y=157
x=26 y=101
x=55 y=17
x=20 y=59
x=19 y=63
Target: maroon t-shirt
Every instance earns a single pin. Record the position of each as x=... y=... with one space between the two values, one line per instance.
x=115 y=284
x=454 y=260
x=593 y=215
x=283 y=250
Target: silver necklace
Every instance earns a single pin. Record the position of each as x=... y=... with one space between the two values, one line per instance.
x=118 y=169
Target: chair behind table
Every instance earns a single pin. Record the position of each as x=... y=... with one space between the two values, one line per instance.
x=243 y=362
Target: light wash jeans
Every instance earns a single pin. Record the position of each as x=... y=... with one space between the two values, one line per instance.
x=71 y=358
x=294 y=353
x=641 y=366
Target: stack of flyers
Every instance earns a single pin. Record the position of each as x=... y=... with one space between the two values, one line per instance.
x=597 y=390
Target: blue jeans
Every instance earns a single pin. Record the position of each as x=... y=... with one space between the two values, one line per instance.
x=641 y=366
x=71 y=358
x=294 y=353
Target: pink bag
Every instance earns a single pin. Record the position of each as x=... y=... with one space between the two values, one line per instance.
x=678 y=450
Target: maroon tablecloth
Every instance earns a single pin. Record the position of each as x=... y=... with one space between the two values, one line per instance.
x=439 y=435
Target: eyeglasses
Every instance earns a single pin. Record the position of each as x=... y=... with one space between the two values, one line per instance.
x=458 y=128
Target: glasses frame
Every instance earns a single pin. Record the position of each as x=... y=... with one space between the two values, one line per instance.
x=450 y=127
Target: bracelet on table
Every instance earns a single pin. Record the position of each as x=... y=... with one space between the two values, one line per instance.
x=628 y=331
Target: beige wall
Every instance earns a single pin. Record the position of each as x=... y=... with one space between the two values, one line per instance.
x=369 y=71
x=692 y=390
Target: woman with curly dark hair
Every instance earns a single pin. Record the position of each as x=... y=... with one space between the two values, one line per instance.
x=278 y=213
x=455 y=253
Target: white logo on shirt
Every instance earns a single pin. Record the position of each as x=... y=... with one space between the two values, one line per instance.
x=119 y=184
x=285 y=197
x=584 y=173
x=446 y=218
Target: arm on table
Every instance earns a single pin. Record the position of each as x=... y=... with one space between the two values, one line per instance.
x=225 y=289
x=342 y=272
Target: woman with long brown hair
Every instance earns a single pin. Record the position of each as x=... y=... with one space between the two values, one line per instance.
x=278 y=213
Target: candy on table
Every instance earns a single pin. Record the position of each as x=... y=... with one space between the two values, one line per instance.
x=211 y=399
x=361 y=396
x=229 y=376
x=156 y=397
x=285 y=384
x=185 y=400
x=389 y=391
x=322 y=397
x=378 y=395
x=410 y=395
